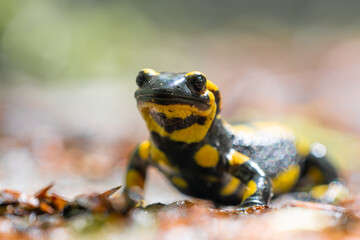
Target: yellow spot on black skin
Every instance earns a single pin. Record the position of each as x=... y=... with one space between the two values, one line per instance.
x=134 y=179
x=207 y=156
x=144 y=150
x=236 y=158
x=303 y=147
x=286 y=180
x=213 y=88
x=230 y=187
x=158 y=156
x=319 y=191
x=179 y=182
x=315 y=175
x=194 y=72
x=150 y=71
x=250 y=189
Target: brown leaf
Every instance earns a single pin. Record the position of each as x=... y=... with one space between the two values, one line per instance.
x=108 y=193
x=43 y=192
x=58 y=202
x=46 y=208
x=8 y=196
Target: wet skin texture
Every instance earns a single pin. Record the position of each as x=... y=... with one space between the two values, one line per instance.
x=204 y=157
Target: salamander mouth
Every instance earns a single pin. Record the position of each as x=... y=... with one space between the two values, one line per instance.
x=170 y=99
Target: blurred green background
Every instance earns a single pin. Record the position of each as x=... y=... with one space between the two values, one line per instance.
x=62 y=40
x=68 y=68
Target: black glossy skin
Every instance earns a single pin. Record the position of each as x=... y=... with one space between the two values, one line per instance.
x=265 y=154
x=170 y=88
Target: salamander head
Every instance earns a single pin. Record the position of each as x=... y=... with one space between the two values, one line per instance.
x=181 y=106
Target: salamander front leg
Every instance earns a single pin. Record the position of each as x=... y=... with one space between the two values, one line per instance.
x=136 y=175
x=258 y=186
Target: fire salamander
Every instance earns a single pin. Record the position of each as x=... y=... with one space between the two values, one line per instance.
x=204 y=157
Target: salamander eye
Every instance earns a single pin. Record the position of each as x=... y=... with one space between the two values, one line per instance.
x=196 y=83
x=142 y=78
